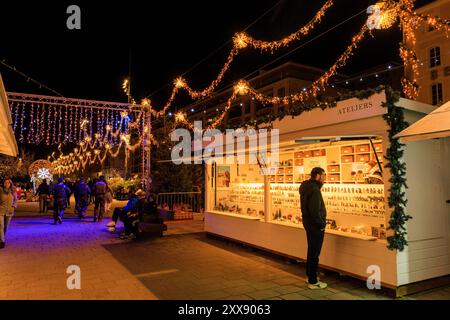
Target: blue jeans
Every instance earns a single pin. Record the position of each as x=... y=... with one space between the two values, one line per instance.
x=314 y=237
x=59 y=205
x=81 y=204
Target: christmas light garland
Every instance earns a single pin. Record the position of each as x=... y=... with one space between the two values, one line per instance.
x=16 y=115
x=242 y=87
x=81 y=157
x=241 y=41
x=22 y=116
x=31 y=131
x=388 y=13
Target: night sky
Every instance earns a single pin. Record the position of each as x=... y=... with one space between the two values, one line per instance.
x=166 y=38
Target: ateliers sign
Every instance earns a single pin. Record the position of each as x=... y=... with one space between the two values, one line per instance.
x=355 y=108
x=347 y=110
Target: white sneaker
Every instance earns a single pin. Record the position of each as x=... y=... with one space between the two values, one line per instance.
x=318 y=285
x=112 y=229
x=111 y=224
x=318 y=279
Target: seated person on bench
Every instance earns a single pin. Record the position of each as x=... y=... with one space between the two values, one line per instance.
x=148 y=211
x=130 y=207
x=145 y=220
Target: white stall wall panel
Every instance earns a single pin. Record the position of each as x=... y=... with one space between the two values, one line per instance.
x=428 y=253
x=348 y=255
x=430 y=273
x=423 y=264
x=423 y=254
x=288 y=240
x=250 y=231
x=423 y=244
x=425 y=193
x=446 y=161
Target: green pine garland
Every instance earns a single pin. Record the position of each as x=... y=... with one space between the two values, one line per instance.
x=397 y=200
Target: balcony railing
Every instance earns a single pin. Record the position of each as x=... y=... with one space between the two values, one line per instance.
x=190 y=200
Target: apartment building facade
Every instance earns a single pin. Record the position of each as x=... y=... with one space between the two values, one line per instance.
x=432 y=48
x=288 y=78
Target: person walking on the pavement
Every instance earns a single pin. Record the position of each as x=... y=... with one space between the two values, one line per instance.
x=43 y=192
x=8 y=203
x=81 y=193
x=314 y=220
x=69 y=192
x=108 y=198
x=100 y=189
x=91 y=185
x=59 y=192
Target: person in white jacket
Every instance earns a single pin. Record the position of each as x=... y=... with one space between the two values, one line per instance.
x=8 y=204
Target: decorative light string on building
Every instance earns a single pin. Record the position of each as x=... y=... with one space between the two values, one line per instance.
x=382 y=16
x=241 y=41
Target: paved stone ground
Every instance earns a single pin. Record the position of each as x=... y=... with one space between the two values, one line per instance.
x=184 y=264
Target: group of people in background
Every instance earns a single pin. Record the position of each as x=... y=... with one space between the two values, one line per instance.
x=99 y=191
x=140 y=207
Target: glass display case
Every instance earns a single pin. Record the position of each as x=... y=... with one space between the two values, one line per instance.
x=353 y=192
x=239 y=190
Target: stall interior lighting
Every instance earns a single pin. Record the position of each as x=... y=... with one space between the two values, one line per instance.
x=332 y=139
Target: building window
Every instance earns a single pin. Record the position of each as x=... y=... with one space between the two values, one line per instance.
x=435 y=57
x=246 y=107
x=268 y=92
x=436 y=94
x=235 y=112
x=259 y=106
x=281 y=92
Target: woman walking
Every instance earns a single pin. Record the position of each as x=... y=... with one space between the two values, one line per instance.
x=108 y=198
x=8 y=203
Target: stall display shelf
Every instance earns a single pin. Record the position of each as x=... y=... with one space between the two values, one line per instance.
x=236 y=215
x=330 y=231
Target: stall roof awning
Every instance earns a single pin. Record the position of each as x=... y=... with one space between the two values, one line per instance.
x=432 y=126
x=8 y=144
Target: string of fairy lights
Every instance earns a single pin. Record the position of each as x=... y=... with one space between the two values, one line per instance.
x=244 y=88
x=382 y=16
x=66 y=123
x=240 y=41
x=51 y=122
x=90 y=152
x=99 y=129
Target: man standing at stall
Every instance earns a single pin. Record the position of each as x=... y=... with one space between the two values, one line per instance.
x=314 y=220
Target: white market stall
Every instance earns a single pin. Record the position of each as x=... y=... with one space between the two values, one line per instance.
x=433 y=126
x=350 y=140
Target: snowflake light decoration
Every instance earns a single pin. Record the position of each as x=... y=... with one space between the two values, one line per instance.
x=44 y=173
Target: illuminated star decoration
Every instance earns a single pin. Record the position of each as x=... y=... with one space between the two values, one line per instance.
x=44 y=173
x=382 y=15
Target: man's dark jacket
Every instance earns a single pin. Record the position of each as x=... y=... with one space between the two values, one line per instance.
x=44 y=189
x=82 y=190
x=314 y=214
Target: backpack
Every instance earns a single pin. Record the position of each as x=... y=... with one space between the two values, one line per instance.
x=100 y=188
x=81 y=190
x=59 y=191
